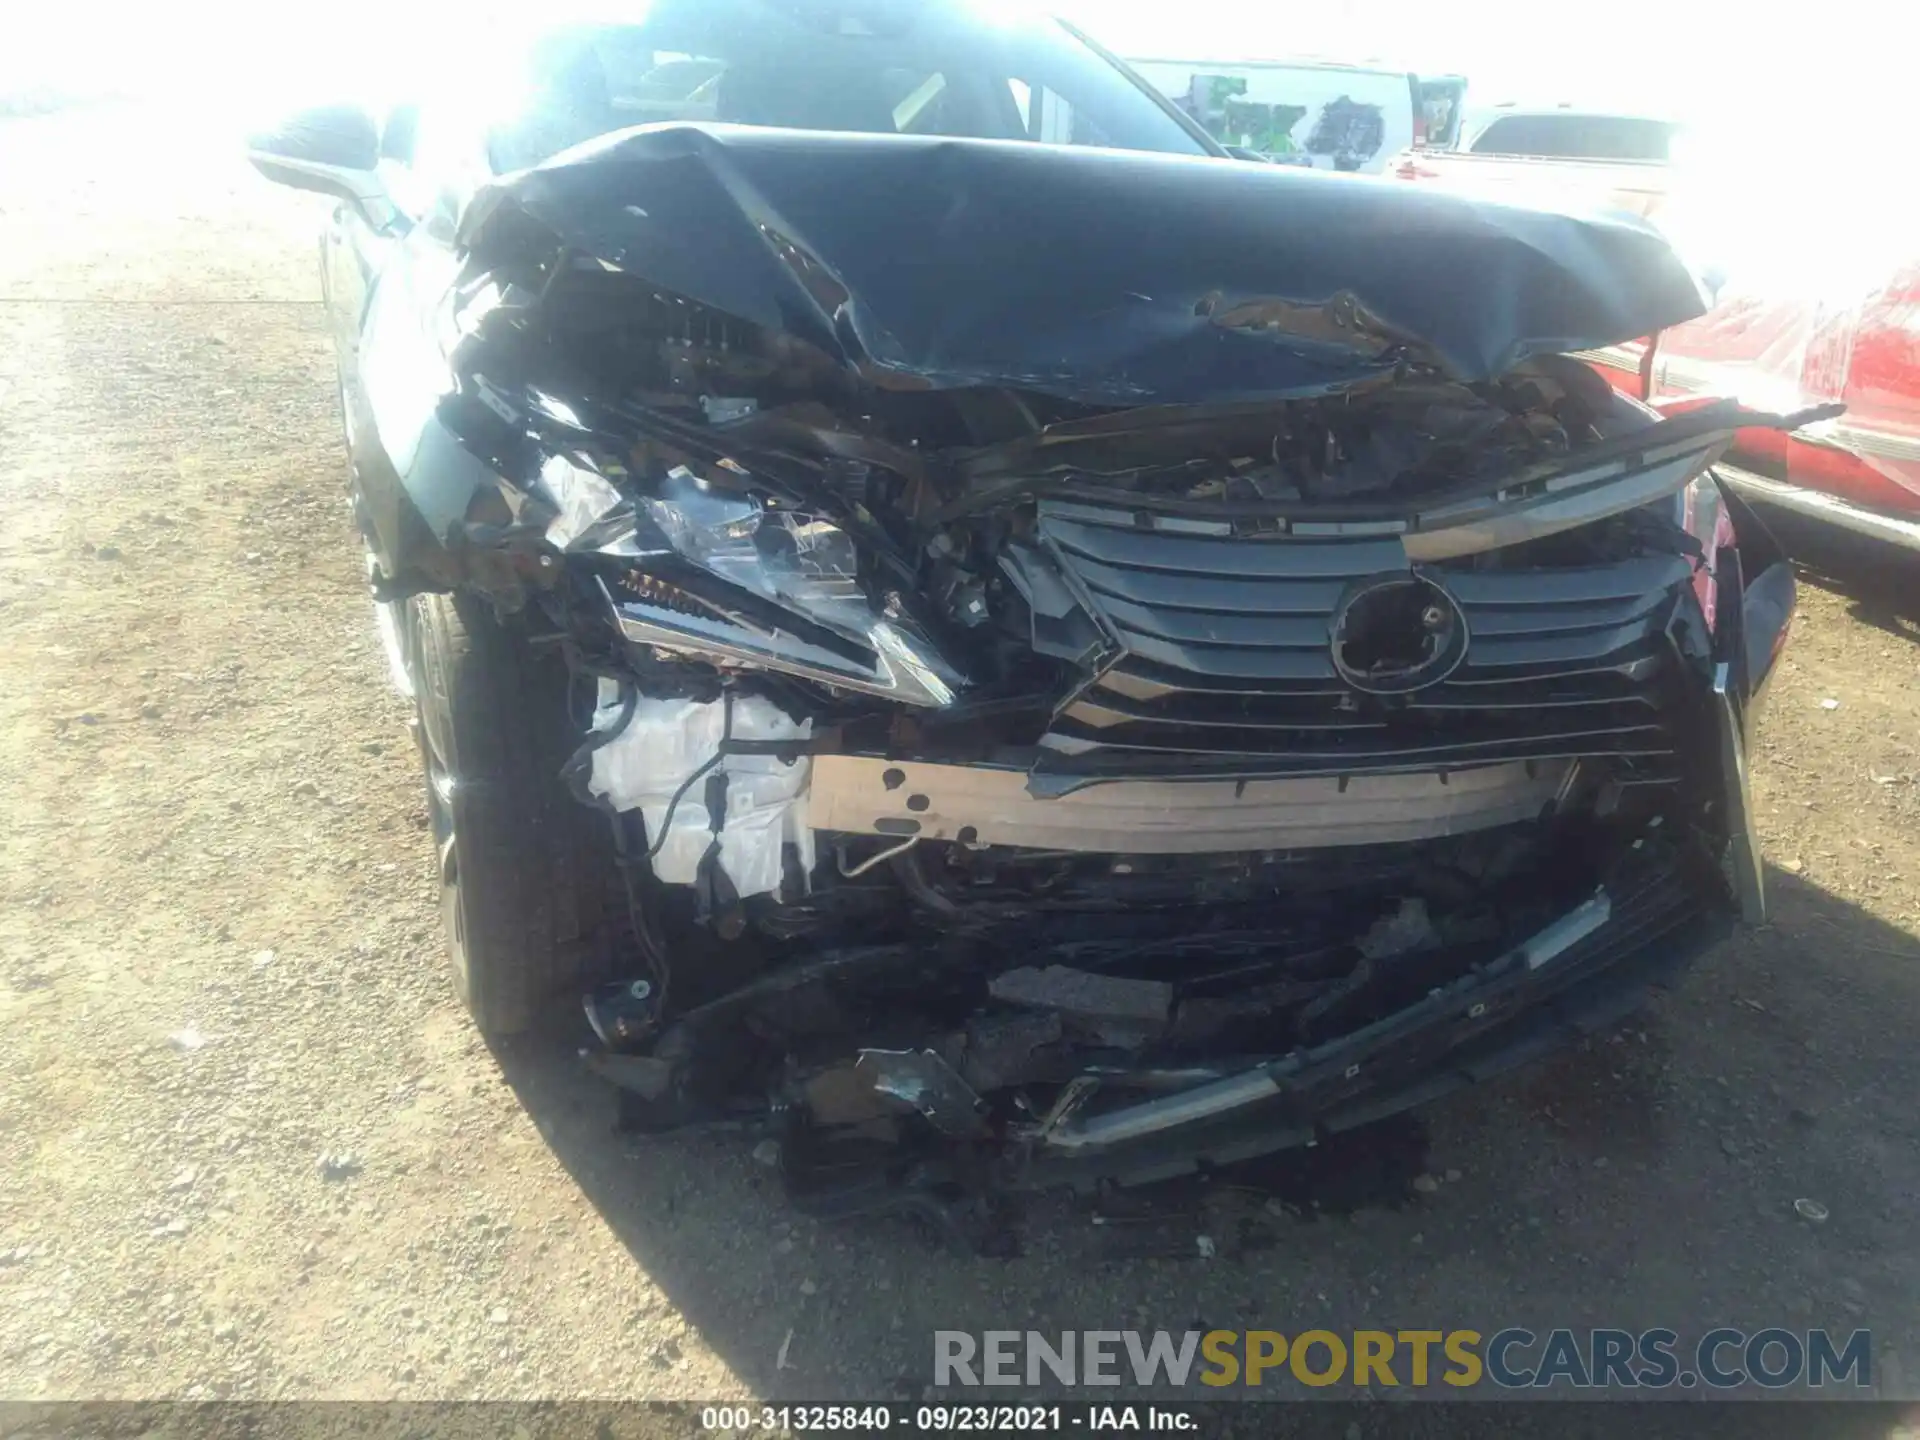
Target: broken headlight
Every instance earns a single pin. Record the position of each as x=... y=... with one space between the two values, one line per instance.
x=801 y=563
x=796 y=560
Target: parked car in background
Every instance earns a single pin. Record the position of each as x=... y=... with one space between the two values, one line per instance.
x=1330 y=117
x=1557 y=157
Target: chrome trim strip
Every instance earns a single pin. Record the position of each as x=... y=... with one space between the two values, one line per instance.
x=897 y=674
x=1881 y=443
x=1743 y=839
x=1614 y=357
x=1572 y=500
x=1569 y=930
x=1818 y=505
x=1525 y=507
x=1203 y=1102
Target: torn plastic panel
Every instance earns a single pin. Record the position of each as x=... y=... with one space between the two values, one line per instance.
x=1117 y=1127
x=1029 y=1074
x=1531 y=496
x=923 y=1081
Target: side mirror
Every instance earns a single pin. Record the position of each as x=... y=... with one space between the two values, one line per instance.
x=334 y=149
x=1244 y=152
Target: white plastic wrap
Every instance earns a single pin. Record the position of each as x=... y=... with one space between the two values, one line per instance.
x=668 y=740
x=584 y=499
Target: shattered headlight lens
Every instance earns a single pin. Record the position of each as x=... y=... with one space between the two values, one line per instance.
x=800 y=561
x=806 y=565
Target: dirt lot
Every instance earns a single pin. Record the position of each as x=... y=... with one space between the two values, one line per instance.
x=249 y=1145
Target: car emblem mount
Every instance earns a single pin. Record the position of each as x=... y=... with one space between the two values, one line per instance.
x=1395 y=634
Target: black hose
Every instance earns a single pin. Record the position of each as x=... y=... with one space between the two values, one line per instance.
x=719 y=754
x=577 y=773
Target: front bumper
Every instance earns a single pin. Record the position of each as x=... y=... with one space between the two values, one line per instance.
x=1672 y=882
x=1136 y=1120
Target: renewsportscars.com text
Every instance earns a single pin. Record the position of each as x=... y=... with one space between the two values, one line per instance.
x=1513 y=1359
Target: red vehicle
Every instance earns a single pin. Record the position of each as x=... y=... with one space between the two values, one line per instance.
x=1818 y=310
x=1860 y=471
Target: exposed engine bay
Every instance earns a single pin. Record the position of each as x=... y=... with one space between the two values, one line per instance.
x=1162 y=702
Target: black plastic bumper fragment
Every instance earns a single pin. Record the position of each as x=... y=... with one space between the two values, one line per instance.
x=1359 y=1084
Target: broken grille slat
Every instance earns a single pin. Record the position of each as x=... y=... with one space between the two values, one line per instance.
x=1225 y=555
x=1057 y=773
x=1101 y=709
x=1644 y=578
x=1558 y=649
x=1201 y=627
x=1487 y=622
x=1239 y=661
x=1143 y=679
x=1171 y=590
x=1376 y=747
x=1638 y=665
x=1446 y=700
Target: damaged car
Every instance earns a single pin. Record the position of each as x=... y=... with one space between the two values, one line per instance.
x=980 y=634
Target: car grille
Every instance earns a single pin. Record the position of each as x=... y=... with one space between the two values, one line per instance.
x=1223 y=654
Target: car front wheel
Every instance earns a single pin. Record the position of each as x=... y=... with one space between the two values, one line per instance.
x=527 y=876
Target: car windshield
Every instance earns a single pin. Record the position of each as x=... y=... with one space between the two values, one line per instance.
x=913 y=67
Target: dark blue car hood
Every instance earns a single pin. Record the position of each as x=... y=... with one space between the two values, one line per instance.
x=1099 y=276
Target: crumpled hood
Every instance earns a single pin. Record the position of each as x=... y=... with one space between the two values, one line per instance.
x=1099 y=276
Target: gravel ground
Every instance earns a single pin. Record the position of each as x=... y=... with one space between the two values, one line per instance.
x=250 y=1147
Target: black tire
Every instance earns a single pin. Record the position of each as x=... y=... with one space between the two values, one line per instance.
x=527 y=873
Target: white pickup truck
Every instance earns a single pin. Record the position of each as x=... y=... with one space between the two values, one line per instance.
x=1554 y=157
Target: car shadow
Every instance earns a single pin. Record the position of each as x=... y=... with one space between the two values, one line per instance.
x=1879 y=582
x=1646 y=1176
